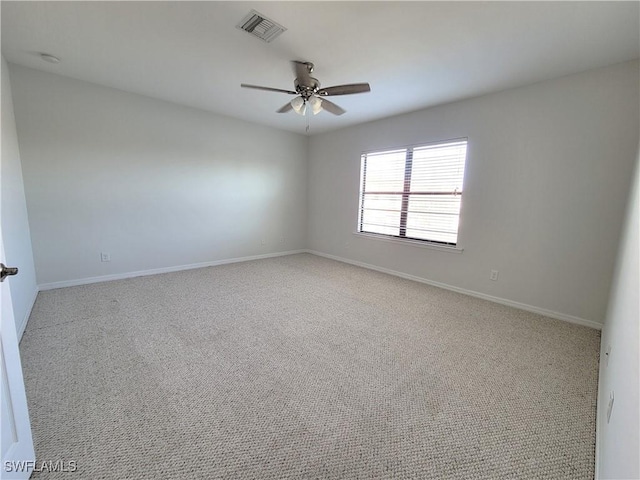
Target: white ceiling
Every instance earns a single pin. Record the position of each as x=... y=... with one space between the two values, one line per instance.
x=414 y=54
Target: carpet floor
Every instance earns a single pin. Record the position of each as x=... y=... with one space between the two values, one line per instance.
x=300 y=367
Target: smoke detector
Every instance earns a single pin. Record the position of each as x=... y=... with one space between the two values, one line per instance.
x=47 y=57
x=260 y=26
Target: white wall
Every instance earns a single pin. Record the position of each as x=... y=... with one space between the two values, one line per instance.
x=547 y=177
x=15 y=224
x=152 y=183
x=618 y=442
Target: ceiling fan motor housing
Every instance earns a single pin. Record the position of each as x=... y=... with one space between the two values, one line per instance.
x=308 y=89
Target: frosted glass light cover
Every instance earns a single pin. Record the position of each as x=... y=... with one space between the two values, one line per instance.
x=316 y=105
x=299 y=105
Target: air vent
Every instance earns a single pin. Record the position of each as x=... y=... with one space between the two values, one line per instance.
x=257 y=24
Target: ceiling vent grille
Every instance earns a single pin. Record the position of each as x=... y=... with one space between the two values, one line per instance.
x=257 y=24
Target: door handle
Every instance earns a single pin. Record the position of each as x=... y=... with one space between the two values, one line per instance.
x=6 y=271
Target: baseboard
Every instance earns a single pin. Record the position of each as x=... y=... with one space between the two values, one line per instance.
x=156 y=271
x=502 y=301
x=20 y=327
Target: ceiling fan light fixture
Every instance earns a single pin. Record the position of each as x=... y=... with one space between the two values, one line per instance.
x=299 y=105
x=316 y=104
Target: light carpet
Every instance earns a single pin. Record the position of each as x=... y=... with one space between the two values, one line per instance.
x=301 y=367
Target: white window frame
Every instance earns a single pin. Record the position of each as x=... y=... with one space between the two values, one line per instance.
x=406 y=194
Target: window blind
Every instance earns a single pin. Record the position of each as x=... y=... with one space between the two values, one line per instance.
x=413 y=193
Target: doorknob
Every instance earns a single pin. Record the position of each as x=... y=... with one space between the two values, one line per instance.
x=6 y=271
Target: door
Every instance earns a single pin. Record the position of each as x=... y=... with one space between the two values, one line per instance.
x=18 y=457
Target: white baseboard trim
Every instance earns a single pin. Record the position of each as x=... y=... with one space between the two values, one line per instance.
x=156 y=271
x=484 y=296
x=20 y=327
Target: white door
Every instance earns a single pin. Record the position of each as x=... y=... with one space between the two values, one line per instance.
x=16 y=445
x=18 y=457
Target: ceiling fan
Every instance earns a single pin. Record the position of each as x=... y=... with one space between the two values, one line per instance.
x=308 y=92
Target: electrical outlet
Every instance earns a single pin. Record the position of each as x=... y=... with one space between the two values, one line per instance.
x=494 y=275
x=105 y=257
x=610 y=406
x=263 y=241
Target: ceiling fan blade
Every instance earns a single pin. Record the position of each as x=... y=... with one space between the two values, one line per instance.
x=268 y=89
x=345 y=89
x=332 y=107
x=302 y=72
x=285 y=108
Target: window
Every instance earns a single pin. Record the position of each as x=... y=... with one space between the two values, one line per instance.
x=413 y=193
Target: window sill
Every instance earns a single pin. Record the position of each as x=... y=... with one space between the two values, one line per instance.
x=413 y=243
